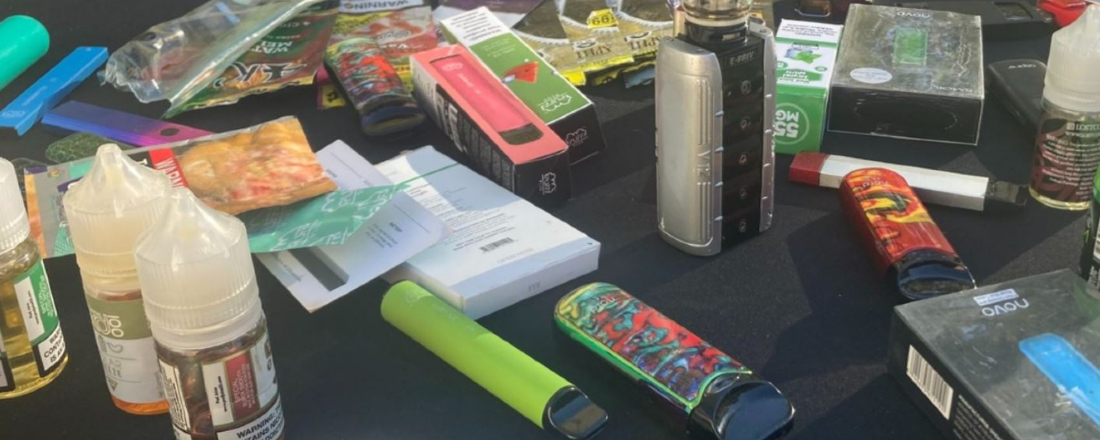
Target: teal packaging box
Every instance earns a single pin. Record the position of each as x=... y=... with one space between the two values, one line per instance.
x=806 y=55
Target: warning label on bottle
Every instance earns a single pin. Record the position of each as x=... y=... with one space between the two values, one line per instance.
x=267 y=427
x=32 y=289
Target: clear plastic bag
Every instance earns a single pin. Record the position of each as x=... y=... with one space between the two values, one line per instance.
x=176 y=59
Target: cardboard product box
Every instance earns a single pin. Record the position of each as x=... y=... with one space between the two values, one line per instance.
x=1012 y=361
x=501 y=250
x=909 y=73
x=504 y=140
x=806 y=53
x=546 y=92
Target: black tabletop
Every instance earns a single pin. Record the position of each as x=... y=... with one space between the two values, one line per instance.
x=801 y=304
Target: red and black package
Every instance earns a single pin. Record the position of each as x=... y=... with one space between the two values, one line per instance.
x=898 y=231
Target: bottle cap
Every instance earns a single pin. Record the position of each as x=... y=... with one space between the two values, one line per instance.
x=196 y=273
x=1071 y=80
x=110 y=207
x=14 y=227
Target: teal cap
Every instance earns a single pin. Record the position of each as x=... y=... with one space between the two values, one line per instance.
x=23 y=40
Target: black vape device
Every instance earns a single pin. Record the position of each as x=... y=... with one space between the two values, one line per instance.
x=1018 y=85
x=715 y=100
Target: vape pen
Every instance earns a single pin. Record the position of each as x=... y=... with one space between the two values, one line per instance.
x=714 y=395
x=715 y=101
x=895 y=227
x=499 y=113
x=540 y=395
x=933 y=186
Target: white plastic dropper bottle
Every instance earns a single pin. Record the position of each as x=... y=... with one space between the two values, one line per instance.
x=1068 y=144
x=106 y=211
x=203 y=306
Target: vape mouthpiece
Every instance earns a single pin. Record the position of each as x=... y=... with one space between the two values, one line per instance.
x=717 y=10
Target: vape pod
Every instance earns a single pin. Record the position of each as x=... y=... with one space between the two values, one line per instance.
x=908 y=248
x=540 y=395
x=715 y=107
x=708 y=391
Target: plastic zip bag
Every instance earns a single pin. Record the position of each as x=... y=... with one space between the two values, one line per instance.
x=177 y=59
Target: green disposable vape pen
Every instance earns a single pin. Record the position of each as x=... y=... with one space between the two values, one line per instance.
x=530 y=388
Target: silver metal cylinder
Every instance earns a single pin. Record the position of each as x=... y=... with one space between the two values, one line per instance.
x=717 y=9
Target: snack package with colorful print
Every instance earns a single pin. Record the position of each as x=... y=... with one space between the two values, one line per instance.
x=594 y=32
x=288 y=56
x=541 y=29
x=369 y=81
x=399 y=32
x=268 y=165
x=643 y=24
x=177 y=59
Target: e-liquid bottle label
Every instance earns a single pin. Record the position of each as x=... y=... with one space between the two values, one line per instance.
x=7 y=382
x=32 y=289
x=241 y=392
x=1065 y=159
x=127 y=349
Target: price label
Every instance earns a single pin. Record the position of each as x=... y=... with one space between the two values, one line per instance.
x=603 y=18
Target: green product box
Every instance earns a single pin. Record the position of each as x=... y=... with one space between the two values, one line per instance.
x=806 y=54
x=539 y=86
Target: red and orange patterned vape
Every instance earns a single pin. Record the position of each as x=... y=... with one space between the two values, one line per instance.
x=896 y=228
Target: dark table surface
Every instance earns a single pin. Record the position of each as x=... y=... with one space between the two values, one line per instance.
x=800 y=304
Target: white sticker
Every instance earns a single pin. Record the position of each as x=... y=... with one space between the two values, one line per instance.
x=130 y=367
x=173 y=391
x=50 y=352
x=996 y=297
x=240 y=386
x=28 y=304
x=268 y=427
x=180 y=435
x=871 y=75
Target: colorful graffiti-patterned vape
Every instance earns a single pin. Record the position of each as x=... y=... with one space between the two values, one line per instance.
x=894 y=226
x=716 y=396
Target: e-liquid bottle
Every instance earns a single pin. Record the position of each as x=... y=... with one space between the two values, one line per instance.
x=106 y=211
x=32 y=348
x=1068 y=144
x=203 y=306
x=894 y=226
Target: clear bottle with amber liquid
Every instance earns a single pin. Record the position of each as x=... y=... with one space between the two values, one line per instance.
x=1067 y=149
x=117 y=200
x=203 y=306
x=32 y=350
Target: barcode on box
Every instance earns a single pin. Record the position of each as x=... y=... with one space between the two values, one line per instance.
x=930 y=382
x=497 y=244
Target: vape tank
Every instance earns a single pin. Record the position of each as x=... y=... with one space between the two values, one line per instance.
x=715 y=107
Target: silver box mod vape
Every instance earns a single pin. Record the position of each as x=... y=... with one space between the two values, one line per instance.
x=715 y=152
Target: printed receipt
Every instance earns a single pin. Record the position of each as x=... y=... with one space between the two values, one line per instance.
x=403 y=228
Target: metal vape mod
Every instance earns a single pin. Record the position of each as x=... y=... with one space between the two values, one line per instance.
x=715 y=107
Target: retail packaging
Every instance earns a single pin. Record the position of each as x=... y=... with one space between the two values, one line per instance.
x=541 y=88
x=501 y=250
x=1011 y=361
x=807 y=57
x=909 y=73
x=504 y=140
x=542 y=30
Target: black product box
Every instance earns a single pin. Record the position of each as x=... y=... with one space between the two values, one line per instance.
x=909 y=73
x=1012 y=361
